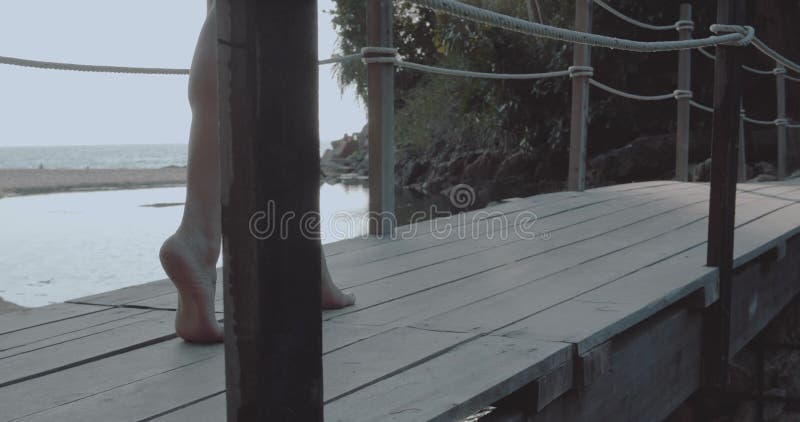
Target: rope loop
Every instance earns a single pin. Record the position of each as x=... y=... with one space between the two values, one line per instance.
x=684 y=24
x=576 y=71
x=378 y=52
x=747 y=33
x=682 y=94
x=781 y=122
x=780 y=70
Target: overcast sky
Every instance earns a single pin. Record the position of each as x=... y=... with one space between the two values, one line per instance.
x=43 y=107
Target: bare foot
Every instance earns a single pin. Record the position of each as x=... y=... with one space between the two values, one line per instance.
x=332 y=297
x=191 y=268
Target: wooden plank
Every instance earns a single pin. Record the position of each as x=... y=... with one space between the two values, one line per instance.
x=518 y=303
x=654 y=368
x=129 y=294
x=761 y=289
x=137 y=331
x=380 y=357
x=145 y=398
x=87 y=380
x=780 y=97
x=211 y=409
x=453 y=385
x=380 y=110
x=56 y=332
x=33 y=317
x=269 y=156
x=684 y=104
x=169 y=301
x=550 y=253
x=503 y=234
x=597 y=316
x=579 y=118
x=351 y=245
x=724 y=153
x=417 y=297
x=337 y=335
x=463 y=231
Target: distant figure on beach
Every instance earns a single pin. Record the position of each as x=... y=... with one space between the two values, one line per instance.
x=190 y=255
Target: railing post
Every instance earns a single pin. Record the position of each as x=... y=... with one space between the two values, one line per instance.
x=581 y=56
x=780 y=83
x=742 y=167
x=684 y=106
x=269 y=164
x=380 y=105
x=724 y=157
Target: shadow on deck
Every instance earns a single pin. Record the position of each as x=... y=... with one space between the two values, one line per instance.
x=599 y=316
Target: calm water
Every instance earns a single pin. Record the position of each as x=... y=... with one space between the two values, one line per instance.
x=99 y=156
x=62 y=246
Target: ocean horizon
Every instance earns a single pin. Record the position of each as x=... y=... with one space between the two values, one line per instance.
x=110 y=156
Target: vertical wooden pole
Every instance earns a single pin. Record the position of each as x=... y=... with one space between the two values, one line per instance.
x=269 y=144
x=380 y=105
x=780 y=84
x=724 y=155
x=581 y=56
x=684 y=106
x=742 y=167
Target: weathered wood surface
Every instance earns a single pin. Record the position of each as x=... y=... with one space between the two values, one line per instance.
x=447 y=325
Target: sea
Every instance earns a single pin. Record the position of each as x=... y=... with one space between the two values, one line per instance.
x=61 y=246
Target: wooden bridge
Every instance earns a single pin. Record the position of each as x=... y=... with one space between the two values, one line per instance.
x=600 y=316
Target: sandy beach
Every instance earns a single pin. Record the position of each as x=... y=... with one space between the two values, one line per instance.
x=37 y=181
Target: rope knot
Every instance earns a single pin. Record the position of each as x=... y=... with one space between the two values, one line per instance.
x=684 y=24
x=682 y=94
x=779 y=70
x=575 y=71
x=781 y=122
x=747 y=33
x=379 y=55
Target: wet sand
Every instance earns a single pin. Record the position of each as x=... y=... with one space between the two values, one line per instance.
x=36 y=181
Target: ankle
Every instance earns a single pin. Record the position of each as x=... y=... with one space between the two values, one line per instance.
x=205 y=246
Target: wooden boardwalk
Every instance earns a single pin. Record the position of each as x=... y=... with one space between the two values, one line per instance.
x=600 y=316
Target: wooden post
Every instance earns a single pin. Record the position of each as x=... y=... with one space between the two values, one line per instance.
x=380 y=105
x=742 y=167
x=684 y=104
x=780 y=83
x=724 y=155
x=269 y=162
x=581 y=56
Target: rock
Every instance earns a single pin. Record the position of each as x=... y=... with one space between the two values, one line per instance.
x=746 y=412
x=645 y=158
x=773 y=409
x=782 y=370
x=763 y=178
x=6 y=307
x=763 y=167
x=518 y=168
x=702 y=171
x=483 y=168
x=344 y=147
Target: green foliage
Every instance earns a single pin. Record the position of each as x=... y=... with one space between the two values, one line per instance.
x=532 y=115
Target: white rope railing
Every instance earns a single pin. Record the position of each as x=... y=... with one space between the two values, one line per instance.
x=679 y=24
x=629 y=95
x=774 y=55
x=341 y=59
x=463 y=73
x=699 y=106
x=74 y=67
x=775 y=71
x=37 y=64
x=738 y=35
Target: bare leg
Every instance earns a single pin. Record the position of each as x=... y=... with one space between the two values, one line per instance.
x=189 y=256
